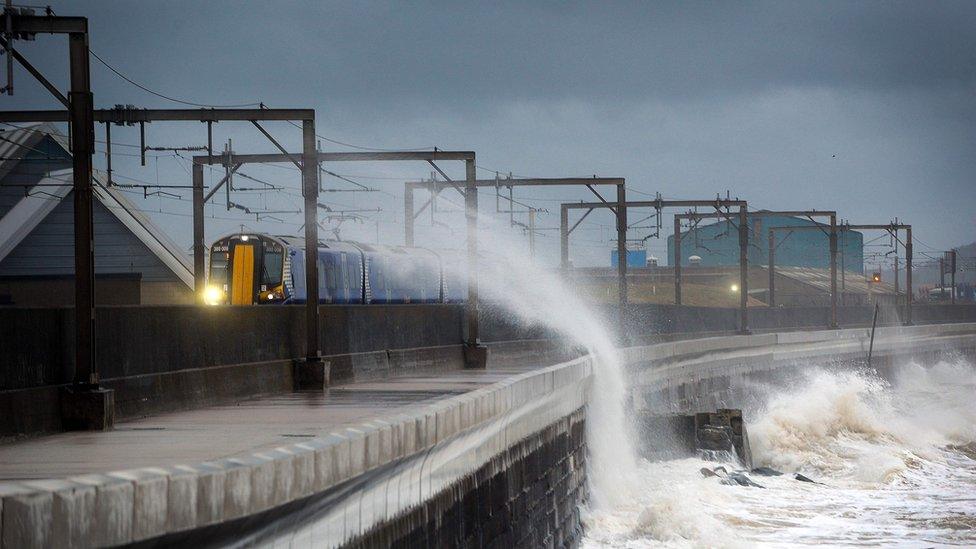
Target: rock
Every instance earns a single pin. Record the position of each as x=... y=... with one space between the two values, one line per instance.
x=802 y=478
x=706 y=472
x=766 y=472
x=717 y=439
x=739 y=479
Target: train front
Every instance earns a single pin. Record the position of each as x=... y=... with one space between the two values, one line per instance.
x=246 y=269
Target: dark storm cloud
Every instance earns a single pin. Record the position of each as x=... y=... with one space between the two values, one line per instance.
x=866 y=107
x=621 y=51
x=473 y=54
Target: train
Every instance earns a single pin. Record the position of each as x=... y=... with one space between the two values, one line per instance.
x=261 y=269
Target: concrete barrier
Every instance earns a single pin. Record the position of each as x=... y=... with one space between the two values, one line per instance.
x=142 y=340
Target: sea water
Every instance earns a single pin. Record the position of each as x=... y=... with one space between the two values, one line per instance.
x=896 y=461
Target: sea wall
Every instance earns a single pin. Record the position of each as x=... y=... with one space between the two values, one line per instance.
x=38 y=345
x=705 y=374
x=518 y=442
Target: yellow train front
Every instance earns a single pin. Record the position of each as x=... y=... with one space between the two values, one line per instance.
x=248 y=269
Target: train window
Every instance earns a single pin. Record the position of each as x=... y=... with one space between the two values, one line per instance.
x=378 y=278
x=218 y=268
x=271 y=273
x=375 y=275
x=331 y=274
x=321 y=272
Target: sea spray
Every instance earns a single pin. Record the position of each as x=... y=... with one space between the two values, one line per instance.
x=819 y=426
x=856 y=425
x=509 y=278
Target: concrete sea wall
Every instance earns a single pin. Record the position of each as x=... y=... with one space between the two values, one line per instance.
x=37 y=347
x=363 y=483
x=721 y=372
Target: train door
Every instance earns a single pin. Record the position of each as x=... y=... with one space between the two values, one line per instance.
x=242 y=278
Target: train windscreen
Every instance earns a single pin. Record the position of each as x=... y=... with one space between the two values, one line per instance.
x=273 y=261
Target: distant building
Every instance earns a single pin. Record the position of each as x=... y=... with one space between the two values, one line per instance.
x=717 y=245
x=635 y=258
x=135 y=263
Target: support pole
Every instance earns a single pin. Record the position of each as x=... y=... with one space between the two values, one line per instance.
x=896 y=277
x=677 y=260
x=471 y=215
x=942 y=295
x=475 y=354
x=564 y=237
x=532 y=233
x=771 y=268
x=142 y=143
x=743 y=270
x=952 y=277
x=199 y=248
x=108 y=154
x=511 y=206
x=311 y=192
x=833 y=271
x=622 y=260
x=874 y=324
x=908 y=277
x=82 y=146
x=84 y=404
x=843 y=267
x=408 y=216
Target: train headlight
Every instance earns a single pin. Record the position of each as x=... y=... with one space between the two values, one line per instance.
x=213 y=295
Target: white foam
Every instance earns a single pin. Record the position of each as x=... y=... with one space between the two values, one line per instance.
x=879 y=449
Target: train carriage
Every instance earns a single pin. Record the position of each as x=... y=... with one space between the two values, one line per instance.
x=247 y=269
x=401 y=275
x=340 y=272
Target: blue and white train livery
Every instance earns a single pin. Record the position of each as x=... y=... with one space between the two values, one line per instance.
x=247 y=269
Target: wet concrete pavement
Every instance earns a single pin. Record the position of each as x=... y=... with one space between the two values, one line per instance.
x=231 y=430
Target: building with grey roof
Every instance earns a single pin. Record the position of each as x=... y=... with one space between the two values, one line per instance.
x=135 y=262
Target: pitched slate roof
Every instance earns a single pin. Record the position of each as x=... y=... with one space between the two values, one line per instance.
x=54 y=186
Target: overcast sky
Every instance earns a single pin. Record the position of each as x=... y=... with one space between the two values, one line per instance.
x=863 y=107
